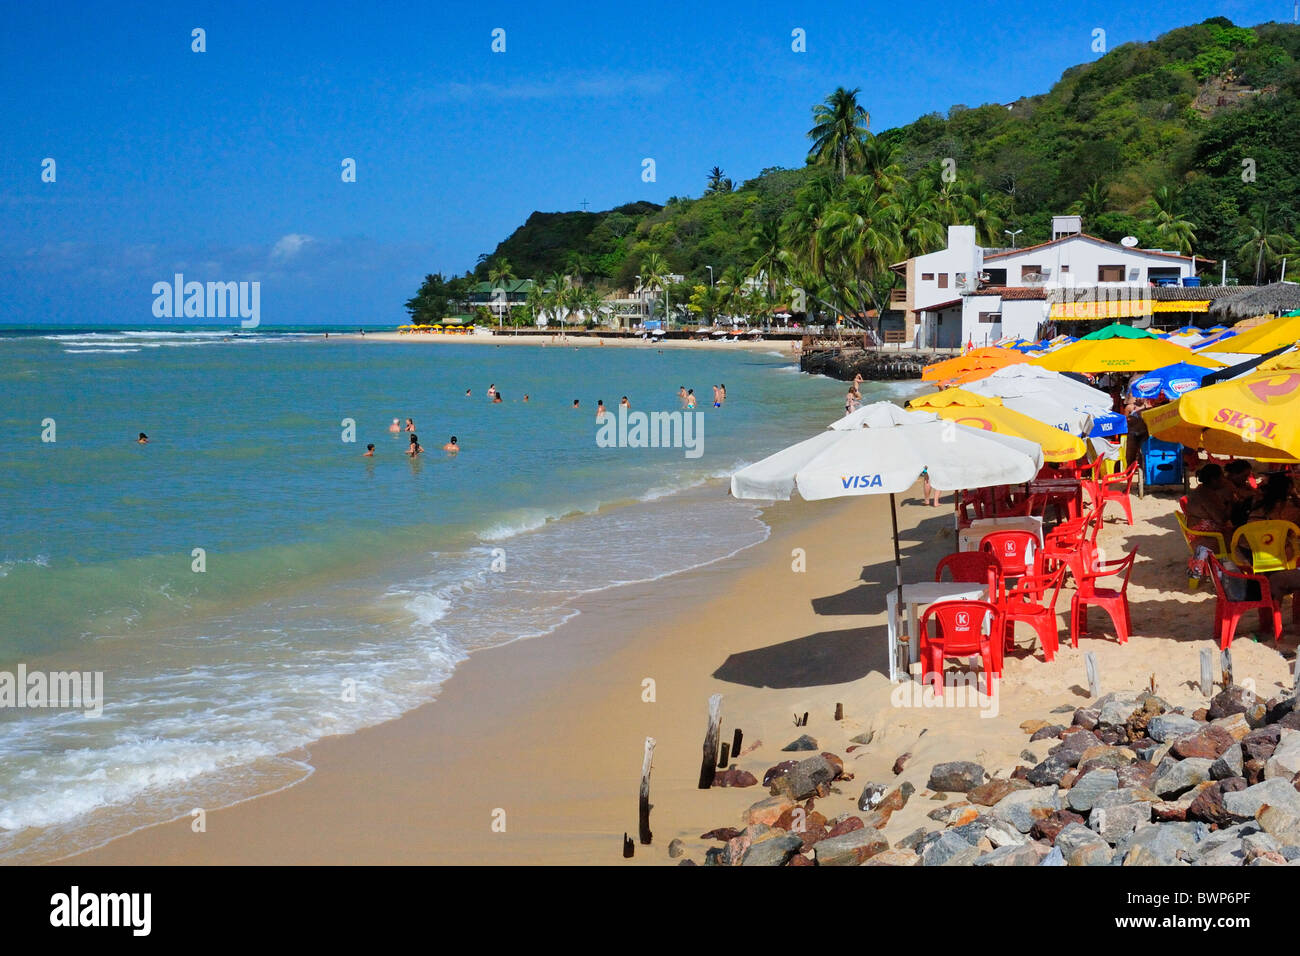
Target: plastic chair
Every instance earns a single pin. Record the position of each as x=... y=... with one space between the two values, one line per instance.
x=1022 y=603
x=1162 y=463
x=1116 y=488
x=1269 y=543
x=962 y=629
x=1114 y=601
x=1016 y=551
x=974 y=567
x=1211 y=537
x=1228 y=612
x=1072 y=544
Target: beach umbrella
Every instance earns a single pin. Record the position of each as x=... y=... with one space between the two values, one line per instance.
x=988 y=413
x=1118 y=330
x=1120 y=354
x=1254 y=416
x=1047 y=396
x=1274 y=334
x=1170 y=381
x=974 y=364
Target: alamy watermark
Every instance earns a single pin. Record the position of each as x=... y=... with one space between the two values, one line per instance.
x=214 y=300
x=67 y=690
x=960 y=689
x=627 y=429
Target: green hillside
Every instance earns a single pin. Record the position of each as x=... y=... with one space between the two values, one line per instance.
x=1191 y=141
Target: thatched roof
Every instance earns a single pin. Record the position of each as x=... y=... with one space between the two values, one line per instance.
x=1272 y=299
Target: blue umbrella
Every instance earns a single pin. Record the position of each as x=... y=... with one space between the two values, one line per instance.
x=1170 y=381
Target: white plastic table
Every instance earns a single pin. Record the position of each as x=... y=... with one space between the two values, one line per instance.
x=968 y=539
x=915 y=596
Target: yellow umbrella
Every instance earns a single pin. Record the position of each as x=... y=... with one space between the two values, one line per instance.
x=1120 y=355
x=988 y=412
x=1255 y=416
x=1274 y=334
x=976 y=363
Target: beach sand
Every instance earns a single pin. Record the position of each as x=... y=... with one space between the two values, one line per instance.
x=551 y=730
x=572 y=341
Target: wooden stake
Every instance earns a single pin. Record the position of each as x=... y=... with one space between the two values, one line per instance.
x=805 y=719
x=645 y=790
x=1094 y=680
x=735 y=743
x=629 y=847
x=1225 y=664
x=708 y=764
x=725 y=756
x=839 y=711
x=1207 y=672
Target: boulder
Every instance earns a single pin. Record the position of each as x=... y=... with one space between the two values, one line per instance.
x=1082 y=847
x=1281 y=824
x=1025 y=854
x=1112 y=823
x=767 y=811
x=1167 y=727
x=850 y=849
x=894 y=857
x=1049 y=827
x=1089 y=787
x=1175 y=777
x=1140 y=774
x=1032 y=726
x=1167 y=811
x=1124 y=796
x=807 y=778
x=1229 y=764
x=846 y=825
x=804 y=742
x=734 y=777
x=1114 y=711
x=1210 y=742
x=1260 y=743
x=1154 y=845
x=1235 y=724
x=949 y=849
x=1054 y=858
x=1208 y=805
x=1236 y=700
x=778 y=770
x=1051 y=770
x=872 y=794
x=896 y=799
x=957 y=775
x=776 y=851
x=1046 y=732
x=900 y=763
x=988 y=794
x=1023 y=808
x=1246 y=804
x=1086 y=717
x=1285 y=759
x=676 y=848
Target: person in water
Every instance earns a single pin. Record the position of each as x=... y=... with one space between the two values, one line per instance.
x=682 y=393
x=690 y=398
x=414 y=448
x=410 y=424
x=492 y=390
x=143 y=439
x=625 y=404
x=575 y=403
x=722 y=394
x=395 y=427
x=370 y=452
x=496 y=398
x=717 y=397
x=525 y=396
x=451 y=446
x=600 y=409
x=467 y=393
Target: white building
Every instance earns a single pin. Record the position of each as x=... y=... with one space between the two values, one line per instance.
x=968 y=293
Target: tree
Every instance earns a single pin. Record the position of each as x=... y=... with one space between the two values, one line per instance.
x=499 y=276
x=432 y=303
x=654 y=275
x=1164 y=217
x=839 y=125
x=1260 y=243
x=718 y=182
x=1093 y=203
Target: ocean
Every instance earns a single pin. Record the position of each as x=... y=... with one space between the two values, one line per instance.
x=248 y=582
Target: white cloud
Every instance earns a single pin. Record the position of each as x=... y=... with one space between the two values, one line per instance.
x=289 y=246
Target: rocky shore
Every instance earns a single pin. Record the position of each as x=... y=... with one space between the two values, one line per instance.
x=874 y=365
x=1125 y=780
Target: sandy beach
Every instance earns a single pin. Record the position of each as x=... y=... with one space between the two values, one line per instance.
x=551 y=730
x=575 y=341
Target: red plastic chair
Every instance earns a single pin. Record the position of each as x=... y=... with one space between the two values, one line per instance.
x=1073 y=544
x=974 y=567
x=1027 y=601
x=1228 y=612
x=962 y=629
x=1114 y=601
x=1019 y=552
x=1116 y=488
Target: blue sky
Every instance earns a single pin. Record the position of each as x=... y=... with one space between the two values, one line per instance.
x=225 y=165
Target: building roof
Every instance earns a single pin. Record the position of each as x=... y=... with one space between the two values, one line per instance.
x=511 y=287
x=1104 y=242
x=1250 y=301
x=1012 y=292
x=1197 y=293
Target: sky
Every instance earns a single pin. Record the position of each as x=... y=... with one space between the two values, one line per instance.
x=227 y=164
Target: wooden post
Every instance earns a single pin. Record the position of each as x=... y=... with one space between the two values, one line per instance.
x=629 y=847
x=1094 y=680
x=707 y=765
x=1207 y=672
x=1225 y=663
x=804 y=722
x=735 y=743
x=645 y=790
x=725 y=756
x=839 y=711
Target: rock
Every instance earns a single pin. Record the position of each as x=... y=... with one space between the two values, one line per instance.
x=1140 y=774
x=1235 y=700
x=1049 y=827
x=1281 y=824
x=999 y=835
x=676 y=848
x=962 y=815
x=949 y=849
x=1046 y=732
x=774 y=852
x=1210 y=742
x=1159 y=845
x=1073 y=743
x=736 y=848
x=1253 y=771
x=1082 y=847
x=1086 y=717
x=900 y=763
x=1021 y=772
x=1026 y=854
x=1235 y=724
x=1285 y=759
x=767 y=811
x=1112 y=823
x=863 y=739
x=1053 y=858
x=1029 y=755
x=1067 y=781
x=1023 y=808
x=850 y=849
x=800 y=819
x=1259 y=744
x=779 y=770
x=1167 y=811
x=1033 y=726
x=807 y=778
x=988 y=794
x=734 y=777
x=1089 y=787
x=1123 y=796
x=1175 y=777
x=1051 y=770
x=800 y=860
x=1229 y=764
x=894 y=857
x=1105 y=758
x=1063 y=709
x=872 y=794
x=1169 y=727
x=1114 y=711
x=910 y=841
x=896 y=799
x=721 y=833
x=1209 y=803
x=956 y=775
x=847 y=825
x=1246 y=804
x=805 y=742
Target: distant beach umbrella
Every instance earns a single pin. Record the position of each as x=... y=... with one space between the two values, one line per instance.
x=1170 y=381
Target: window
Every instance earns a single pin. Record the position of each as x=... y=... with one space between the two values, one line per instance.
x=927 y=276
x=996 y=276
x=990 y=318
x=1110 y=273
x=943 y=280
x=1030 y=273
x=1065 y=269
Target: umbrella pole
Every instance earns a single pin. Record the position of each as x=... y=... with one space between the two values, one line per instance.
x=898 y=575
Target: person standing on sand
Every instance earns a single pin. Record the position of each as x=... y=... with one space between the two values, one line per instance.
x=414 y=448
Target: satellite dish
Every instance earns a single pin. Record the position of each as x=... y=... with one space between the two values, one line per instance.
x=1128 y=242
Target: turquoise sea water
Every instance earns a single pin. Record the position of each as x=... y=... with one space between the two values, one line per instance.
x=338 y=591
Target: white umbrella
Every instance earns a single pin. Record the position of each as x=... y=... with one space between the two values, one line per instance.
x=885 y=455
x=1047 y=400
x=1071 y=390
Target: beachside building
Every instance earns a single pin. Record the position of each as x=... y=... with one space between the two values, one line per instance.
x=971 y=293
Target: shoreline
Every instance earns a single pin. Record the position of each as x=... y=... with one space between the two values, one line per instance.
x=572 y=341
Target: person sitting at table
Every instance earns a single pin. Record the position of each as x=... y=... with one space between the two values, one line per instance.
x=1207 y=510
x=1275 y=504
x=1239 y=490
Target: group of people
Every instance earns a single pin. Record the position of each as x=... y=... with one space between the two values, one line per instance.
x=1228 y=497
x=413 y=446
x=853 y=398
x=687 y=396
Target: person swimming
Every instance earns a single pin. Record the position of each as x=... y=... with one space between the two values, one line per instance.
x=414 y=448
x=410 y=424
x=600 y=409
x=395 y=427
x=467 y=393
x=625 y=404
x=370 y=452
x=682 y=392
x=722 y=394
x=143 y=439
x=717 y=397
x=690 y=398
x=575 y=403
x=492 y=390
x=496 y=398
x=451 y=446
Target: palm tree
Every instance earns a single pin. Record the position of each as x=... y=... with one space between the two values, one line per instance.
x=1163 y=215
x=537 y=300
x=770 y=257
x=578 y=265
x=1260 y=243
x=1093 y=202
x=718 y=182
x=654 y=275
x=839 y=125
x=557 y=296
x=499 y=274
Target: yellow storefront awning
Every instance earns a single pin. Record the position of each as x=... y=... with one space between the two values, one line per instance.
x=1119 y=309
x=1191 y=306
